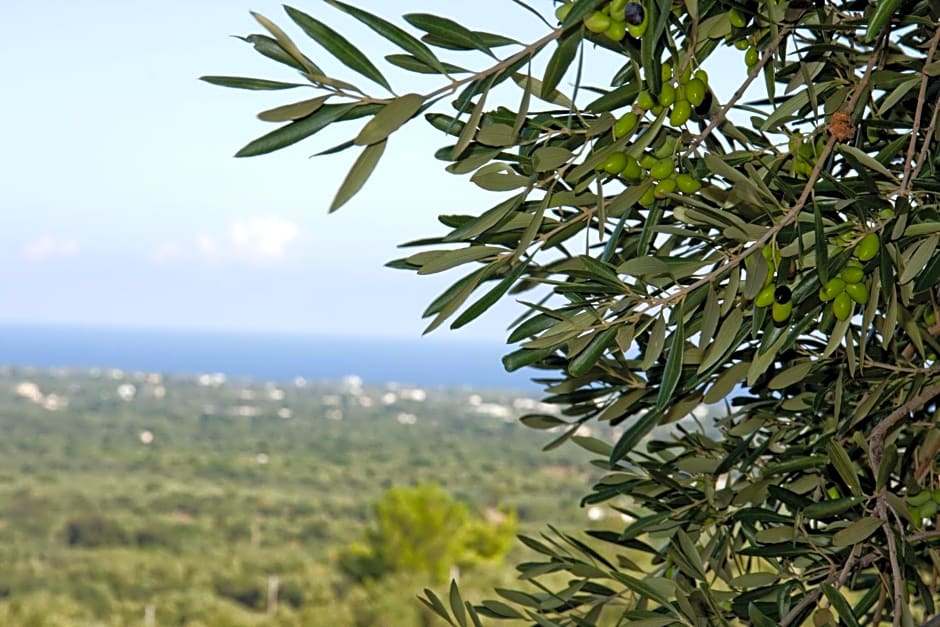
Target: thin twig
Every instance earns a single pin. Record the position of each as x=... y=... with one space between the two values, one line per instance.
x=876 y=441
x=836 y=578
x=921 y=98
x=720 y=116
x=897 y=580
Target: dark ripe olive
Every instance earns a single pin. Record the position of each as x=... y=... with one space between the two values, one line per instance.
x=635 y=13
x=782 y=294
x=706 y=106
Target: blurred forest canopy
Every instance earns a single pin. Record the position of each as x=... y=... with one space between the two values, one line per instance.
x=119 y=493
x=785 y=265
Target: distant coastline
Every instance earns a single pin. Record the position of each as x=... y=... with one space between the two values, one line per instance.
x=269 y=356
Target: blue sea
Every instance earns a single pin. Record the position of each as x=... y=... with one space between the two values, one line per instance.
x=269 y=356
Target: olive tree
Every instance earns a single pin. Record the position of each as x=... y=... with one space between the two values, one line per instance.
x=671 y=246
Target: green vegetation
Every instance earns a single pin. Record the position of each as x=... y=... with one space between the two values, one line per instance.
x=244 y=481
x=639 y=302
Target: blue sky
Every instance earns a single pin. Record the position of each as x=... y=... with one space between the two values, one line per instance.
x=122 y=204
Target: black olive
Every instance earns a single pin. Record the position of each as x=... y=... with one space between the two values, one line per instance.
x=635 y=13
x=706 y=106
x=782 y=294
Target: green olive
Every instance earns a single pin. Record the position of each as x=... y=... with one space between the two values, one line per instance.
x=842 y=306
x=667 y=95
x=857 y=292
x=781 y=311
x=645 y=101
x=667 y=149
x=626 y=124
x=737 y=20
x=765 y=297
x=648 y=197
x=751 y=57
x=687 y=183
x=868 y=247
x=562 y=11
x=920 y=498
x=695 y=92
x=648 y=161
x=657 y=109
x=614 y=163
x=702 y=75
x=741 y=44
x=681 y=112
x=929 y=509
x=665 y=186
x=852 y=274
x=662 y=169
x=831 y=289
x=930 y=317
x=886 y=213
x=666 y=72
x=617 y=30
x=794 y=143
x=597 y=22
x=616 y=9
x=632 y=171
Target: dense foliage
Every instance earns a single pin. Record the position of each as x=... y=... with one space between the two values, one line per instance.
x=784 y=264
x=99 y=520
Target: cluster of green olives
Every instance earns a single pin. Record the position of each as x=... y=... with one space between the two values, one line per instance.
x=922 y=505
x=738 y=22
x=778 y=297
x=845 y=288
x=682 y=93
x=805 y=154
x=657 y=166
x=614 y=20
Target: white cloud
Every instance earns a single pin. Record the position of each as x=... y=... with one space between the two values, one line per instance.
x=255 y=239
x=48 y=246
x=250 y=239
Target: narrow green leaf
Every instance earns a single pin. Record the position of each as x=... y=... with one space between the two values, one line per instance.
x=294 y=111
x=390 y=119
x=586 y=359
x=786 y=109
x=413 y=64
x=466 y=136
x=673 y=365
x=916 y=257
x=866 y=160
x=792 y=375
x=394 y=34
x=844 y=466
x=241 y=82
x=549 y=158
x=880 y=18
x=447 y=31
x=435 y=605
x=525 y=357
x=724 y=340
x=559 y=62
x=490 y=298
x=270 y=48
x=841 y=606
x=456 y=604
x=295 y=131
x=337 y=45
x=286 y=44
x=358 y=174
